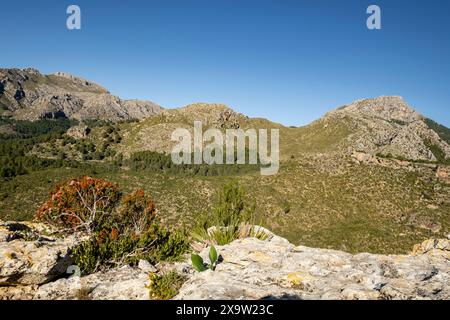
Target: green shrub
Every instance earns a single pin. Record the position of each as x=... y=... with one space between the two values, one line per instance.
x=230 y=218
x=231 y=207
x=436 y=150
x=123 y=228
x=176 y=244
x=286 y=206
x=110 y=248
x=166 y=286
x=14 y=148
x=442 y=131
x=11 y=167
x=27 y=129
x=154 y=161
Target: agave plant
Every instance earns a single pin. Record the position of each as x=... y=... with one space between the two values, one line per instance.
x=198 y=263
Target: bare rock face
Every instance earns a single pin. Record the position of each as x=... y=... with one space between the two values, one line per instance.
x=33 y=266
x=30 y=95
x=138 y=109
x=389 y=127
x=78 y=132
x=28 y=257
x=432 y=245
x=254 y=269
x=125 y=283
x=389 y=108
x=443 y=173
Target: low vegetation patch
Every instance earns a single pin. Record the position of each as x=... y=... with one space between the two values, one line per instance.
x=232 y=217
x=165 y=286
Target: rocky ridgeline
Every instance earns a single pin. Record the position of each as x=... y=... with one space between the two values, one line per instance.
x=388 y=126
x=36 y=266
x=209 y=114
x=391 y=108
x=29 y=95
x=154 y=133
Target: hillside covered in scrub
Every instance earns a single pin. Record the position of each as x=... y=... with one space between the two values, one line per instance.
x=249 y=268
x=90 y=240
x=371 y=176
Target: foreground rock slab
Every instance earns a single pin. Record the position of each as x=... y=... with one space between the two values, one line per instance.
x=29 y=257
x=124 y=283
x=34 y=265
x=276 y=269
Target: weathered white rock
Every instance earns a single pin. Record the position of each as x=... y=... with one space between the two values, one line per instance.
x=146 y=266
x=34 y=267
x=254 y=269
x=29 y=258
x=125 y=283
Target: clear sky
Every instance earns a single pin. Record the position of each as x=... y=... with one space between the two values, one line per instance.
x=289 y=61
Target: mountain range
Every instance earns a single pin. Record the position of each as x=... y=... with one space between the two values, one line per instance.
x=372 y=175
x=29 y=95
x=384 y=126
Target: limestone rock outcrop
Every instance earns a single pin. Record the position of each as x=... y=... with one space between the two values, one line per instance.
x=34 y=265
x=388 y=126
x=29 y=95
x=29 y=257
x=274 y=269
x=124 y=283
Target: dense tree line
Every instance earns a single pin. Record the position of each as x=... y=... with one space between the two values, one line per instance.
x=154 y=161
x=16 y=160
x=14 y=147
x=27 y=129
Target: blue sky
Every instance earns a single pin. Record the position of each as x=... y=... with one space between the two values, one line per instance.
x=289 y=61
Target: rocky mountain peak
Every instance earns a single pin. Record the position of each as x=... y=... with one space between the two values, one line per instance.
x=391 y=108
x=29 y=95
x=32 y=71
x=387 y=126
x=215 y=114
x=206 y=107
x=80 y=81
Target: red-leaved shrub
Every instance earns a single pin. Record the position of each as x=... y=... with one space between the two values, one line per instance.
x=80 y=203
x=136 y=212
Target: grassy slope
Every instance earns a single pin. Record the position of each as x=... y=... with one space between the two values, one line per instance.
x=355 y=208
x=363 y=209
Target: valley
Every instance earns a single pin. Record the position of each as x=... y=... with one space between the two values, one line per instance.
x=371 y=176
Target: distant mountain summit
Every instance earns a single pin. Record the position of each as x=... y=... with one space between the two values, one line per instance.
x=29 y=95
x=385 y=126
x=388 y=126
x=392 y=108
